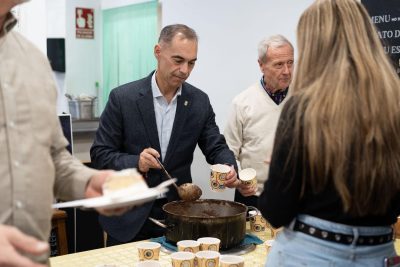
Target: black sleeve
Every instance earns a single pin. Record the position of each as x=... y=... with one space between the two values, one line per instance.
x=212 y=143
x=106 y=150
x=279 y=202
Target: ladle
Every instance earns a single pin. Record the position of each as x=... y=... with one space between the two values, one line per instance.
x=187 y=191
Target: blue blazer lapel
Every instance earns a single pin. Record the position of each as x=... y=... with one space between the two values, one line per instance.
x=182 y=111
x=145 y=105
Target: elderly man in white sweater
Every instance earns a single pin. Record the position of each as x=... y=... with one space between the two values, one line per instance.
x=250 y=130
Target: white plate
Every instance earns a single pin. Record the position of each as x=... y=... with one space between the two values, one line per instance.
x=110 y=203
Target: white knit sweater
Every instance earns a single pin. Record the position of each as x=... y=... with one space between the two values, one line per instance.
x=250 y=130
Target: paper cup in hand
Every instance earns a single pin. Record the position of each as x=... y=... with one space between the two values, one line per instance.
x=188 y=245
x=209 y=243
x=182 y=259
x=248 y=176
x=218 y=176
x=148 y=251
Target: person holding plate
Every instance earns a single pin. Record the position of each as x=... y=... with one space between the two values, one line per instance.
x=35 y=164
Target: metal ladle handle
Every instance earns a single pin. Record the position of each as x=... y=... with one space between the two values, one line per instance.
x=166 y=172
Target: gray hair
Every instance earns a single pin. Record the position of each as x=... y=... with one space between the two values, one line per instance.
x=169 y=32
x=274 y=41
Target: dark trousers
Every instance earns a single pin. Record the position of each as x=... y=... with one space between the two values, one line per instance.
x=149 y=229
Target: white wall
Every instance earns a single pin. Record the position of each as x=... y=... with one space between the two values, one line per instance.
x=229 y=31
x=56 y=18
x=83 y=56
x=32 y=22
x=33 y=18
x=83 y=64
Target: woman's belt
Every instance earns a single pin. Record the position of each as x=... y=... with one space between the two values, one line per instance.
x=362 y=240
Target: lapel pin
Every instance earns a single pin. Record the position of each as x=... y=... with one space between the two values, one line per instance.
x=186 y=103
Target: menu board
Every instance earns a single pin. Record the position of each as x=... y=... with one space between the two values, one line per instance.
x=386 y=17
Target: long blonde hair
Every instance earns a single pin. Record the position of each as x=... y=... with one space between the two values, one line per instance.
x=348 y=114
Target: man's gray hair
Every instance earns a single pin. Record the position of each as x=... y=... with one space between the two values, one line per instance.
x=169 y=32
x=274 y=41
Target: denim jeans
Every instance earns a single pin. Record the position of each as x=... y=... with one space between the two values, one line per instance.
x=292 y=248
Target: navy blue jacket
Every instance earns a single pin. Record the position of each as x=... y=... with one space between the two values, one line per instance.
x=128 y=126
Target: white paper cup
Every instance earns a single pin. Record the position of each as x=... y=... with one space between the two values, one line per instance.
x=209 y=243
x=257 y=222
x=182 y=259
x=149 y=250
x=150 y=263
x=188 y=245
x=231 y=261
x=207 y=258
x=218 y=175
x=248 y=176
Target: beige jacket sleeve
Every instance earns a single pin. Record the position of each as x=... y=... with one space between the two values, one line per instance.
x=71 y=176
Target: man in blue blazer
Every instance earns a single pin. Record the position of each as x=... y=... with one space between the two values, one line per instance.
x=158 y=116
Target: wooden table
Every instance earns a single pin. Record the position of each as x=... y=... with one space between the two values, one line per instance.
x=127 y=255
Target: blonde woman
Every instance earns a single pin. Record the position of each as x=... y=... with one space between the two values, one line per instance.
x=334 y=180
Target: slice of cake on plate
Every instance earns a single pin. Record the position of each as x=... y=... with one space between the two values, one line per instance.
x=124 y=183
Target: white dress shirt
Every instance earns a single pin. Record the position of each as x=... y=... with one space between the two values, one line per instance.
x=165 y=114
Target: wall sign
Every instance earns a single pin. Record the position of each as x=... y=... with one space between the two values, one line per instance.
x=386 y=17
x=84 y=23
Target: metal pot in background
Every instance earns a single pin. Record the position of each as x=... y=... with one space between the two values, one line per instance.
x=83 y=109
x=223 y=219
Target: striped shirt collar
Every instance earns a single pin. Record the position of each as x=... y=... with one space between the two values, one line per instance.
x=278 y=96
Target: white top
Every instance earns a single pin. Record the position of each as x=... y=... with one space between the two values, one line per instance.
x=250 y=130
